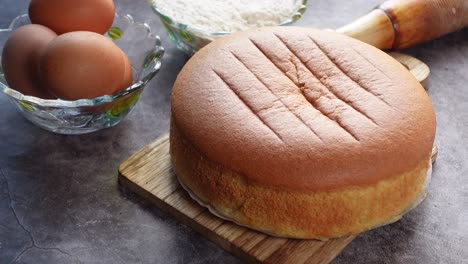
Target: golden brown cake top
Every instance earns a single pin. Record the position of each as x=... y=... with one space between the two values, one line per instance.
x=303 y=109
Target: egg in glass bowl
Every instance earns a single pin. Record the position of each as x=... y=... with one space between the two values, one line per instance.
x=143 y=49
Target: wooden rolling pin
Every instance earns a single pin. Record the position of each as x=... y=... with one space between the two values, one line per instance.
x=398 y=24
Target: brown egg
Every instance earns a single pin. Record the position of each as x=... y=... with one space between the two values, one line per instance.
x=128 y=74
x=80 y=65
x=64 y=16
x=20 y=58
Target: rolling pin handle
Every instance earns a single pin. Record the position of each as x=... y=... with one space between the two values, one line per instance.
x=397 y=24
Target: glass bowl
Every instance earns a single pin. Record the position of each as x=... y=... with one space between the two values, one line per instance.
x=190 y=39
x=88 y=115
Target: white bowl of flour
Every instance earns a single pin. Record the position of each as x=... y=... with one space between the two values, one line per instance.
x=192 y=24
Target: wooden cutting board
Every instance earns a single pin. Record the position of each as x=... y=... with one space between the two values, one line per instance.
x=149 y=174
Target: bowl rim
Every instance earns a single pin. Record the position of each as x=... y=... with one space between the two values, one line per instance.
x=297 y=14
x=90 y=102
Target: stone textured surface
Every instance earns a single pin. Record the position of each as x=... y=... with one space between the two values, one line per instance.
x=60 y=201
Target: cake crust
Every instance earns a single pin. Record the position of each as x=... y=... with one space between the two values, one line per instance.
x=303 y=109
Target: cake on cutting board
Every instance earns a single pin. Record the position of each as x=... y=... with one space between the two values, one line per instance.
x=301 y=133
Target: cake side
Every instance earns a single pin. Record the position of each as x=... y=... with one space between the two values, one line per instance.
x=292 y=213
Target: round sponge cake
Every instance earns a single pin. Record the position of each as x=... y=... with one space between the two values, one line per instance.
x=301 y=133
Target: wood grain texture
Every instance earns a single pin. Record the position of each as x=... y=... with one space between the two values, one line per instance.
x=149 y=174
x=418 y=68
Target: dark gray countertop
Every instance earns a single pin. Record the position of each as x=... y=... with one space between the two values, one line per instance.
x=60 y=201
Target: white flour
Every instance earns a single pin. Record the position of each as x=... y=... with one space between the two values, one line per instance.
x=228 y=15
